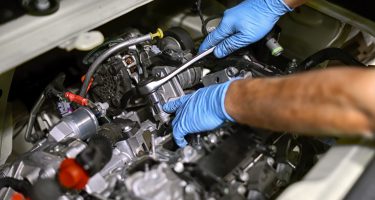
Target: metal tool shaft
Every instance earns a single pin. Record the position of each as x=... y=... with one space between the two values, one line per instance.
x=152 y=86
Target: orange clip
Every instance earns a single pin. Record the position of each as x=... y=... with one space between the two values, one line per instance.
x=76 y=99
x=90 y=83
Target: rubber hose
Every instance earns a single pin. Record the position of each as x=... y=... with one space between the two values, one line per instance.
x=17 y=185
x=328 y=54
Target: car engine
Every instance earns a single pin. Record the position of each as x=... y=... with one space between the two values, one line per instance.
x=109 y=141
x=95 y=130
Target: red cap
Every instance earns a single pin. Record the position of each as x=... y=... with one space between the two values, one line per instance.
x=72 y=175
x=18 y=196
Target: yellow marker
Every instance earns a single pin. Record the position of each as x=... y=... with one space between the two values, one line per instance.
x=159 y=33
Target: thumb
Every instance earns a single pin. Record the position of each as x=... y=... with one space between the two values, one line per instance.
x=230 y=45
x=174 y=105
x=220 y=33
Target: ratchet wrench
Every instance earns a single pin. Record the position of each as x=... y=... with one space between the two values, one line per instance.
x=154 y=85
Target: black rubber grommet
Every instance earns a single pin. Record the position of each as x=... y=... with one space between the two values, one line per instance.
x=182 y=36
x=34 y=7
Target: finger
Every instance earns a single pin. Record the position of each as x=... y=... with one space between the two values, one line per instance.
x=172 y=106
x=216 y=36
x=178 y=136
x=230 y=45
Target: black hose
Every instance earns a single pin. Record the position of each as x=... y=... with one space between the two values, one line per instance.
x=328 y=54
x=96 y=155
x=20 y=186
x=88 y=59
x=45 y=189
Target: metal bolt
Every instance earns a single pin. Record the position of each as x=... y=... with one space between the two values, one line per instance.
x=273 y=148
x=221 y=132
x=126 y=128
x=212 y=138
x=188 y=151
x=244 y=176
x=189 y=188
x=292 y=66
x=270 y=161
x=231 y=71
x=241 y=190
x=56 y=148
x=179 y=167
x=183 y=183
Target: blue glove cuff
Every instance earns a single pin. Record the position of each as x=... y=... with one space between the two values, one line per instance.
x=278 y=6
x=224 y=90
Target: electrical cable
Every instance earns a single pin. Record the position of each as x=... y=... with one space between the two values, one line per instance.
x=198 y=5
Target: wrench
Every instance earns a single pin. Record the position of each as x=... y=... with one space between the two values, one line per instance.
x=154 y=85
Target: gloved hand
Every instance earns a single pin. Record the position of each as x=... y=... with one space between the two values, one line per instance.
x=201 y=111
x=244 y=24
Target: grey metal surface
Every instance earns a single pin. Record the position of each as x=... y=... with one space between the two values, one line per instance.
x=81 y=124
x=29 y=36
x=159 y=183
x=220 y=76
x=172 y=89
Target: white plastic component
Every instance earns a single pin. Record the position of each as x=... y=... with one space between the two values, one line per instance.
x=29 y=36
x=333 y=176
x=88 y=41
x=84 y=42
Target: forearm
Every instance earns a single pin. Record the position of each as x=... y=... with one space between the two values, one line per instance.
x=294 y=3
x=336 y=101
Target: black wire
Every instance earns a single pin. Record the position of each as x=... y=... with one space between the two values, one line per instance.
x=199 y=9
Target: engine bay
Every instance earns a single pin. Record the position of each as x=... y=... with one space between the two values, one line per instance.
x=101 y=137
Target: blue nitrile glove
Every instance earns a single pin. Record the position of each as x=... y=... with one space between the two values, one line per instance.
x=201 y=111
x=244 y=24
